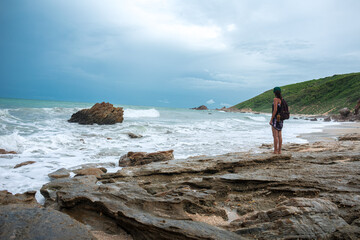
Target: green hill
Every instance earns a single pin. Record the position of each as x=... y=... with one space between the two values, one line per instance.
x=319 y=96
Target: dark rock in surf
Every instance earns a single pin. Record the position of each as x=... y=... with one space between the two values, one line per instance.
x=327 y=119
x=24 y=164
x=3 y=151
x=101 y=113
x=133 y=135
x=141 y=158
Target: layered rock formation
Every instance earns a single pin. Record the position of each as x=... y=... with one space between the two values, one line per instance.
x=311 y=191
x=141 y=158
x=21 y=217
x=100 y=113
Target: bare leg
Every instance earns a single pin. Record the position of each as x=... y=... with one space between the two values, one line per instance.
x=276 y=139
x=280 y=142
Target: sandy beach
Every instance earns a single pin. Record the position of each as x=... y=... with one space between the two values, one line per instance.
x=330 y=133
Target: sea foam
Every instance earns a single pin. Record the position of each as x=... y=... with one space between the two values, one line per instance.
x=147 y=113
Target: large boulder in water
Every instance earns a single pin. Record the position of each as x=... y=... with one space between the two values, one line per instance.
x=141 y=158
x=101 y=113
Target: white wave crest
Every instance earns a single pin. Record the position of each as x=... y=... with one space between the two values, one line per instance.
x=12 y=142
x=258 y=119
x=132 y=113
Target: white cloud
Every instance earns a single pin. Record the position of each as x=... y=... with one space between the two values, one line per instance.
x=211 y=101
x=242 y=43
x=231 y=27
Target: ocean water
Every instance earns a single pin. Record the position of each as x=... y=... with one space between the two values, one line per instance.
x=39 y=131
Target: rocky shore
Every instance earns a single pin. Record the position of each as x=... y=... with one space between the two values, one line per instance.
x=344 y=115
x=311 y=191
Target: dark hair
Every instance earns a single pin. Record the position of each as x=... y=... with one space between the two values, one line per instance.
x=278 y=94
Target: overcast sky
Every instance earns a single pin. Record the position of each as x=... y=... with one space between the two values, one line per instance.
x=172 y=53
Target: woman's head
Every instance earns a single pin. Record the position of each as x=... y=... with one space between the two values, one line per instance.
x=277 y=92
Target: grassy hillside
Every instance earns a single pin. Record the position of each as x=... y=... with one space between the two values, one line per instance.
x=324 y=95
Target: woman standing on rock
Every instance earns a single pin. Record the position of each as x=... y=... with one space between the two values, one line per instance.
x=275 y=122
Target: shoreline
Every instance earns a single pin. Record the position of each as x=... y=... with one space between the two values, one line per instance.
x=331 y=133
x=218 y=197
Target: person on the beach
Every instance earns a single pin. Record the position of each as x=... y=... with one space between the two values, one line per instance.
x=275 y=122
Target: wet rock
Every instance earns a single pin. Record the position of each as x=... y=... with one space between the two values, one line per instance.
x=89 y=171
x=202 y=107
x=28 y=222
x=327 y=119
x=3 y=151
x=296 y=218
x=60 y=173
x=141 y=158
x=24 y=164
x=344 y=112
x=313 y=119
x=100 y=113
x=350 y=137
x=133 y=135
x=28 y=197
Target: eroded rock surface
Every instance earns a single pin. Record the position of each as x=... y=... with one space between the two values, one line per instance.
x=350 y=137
x=27 y=222
x=100 y=113
x=28 y=198
x=90 y=171
x=311 y=191
x=60 y=173
x=304 y=218
x=21 y=217
x=141 y=158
